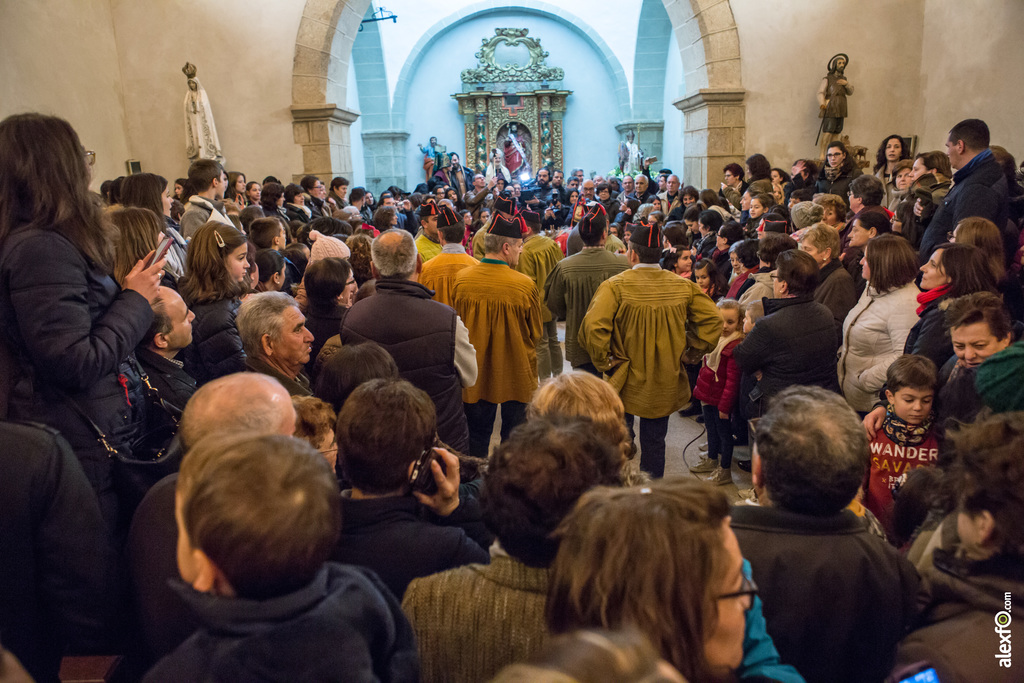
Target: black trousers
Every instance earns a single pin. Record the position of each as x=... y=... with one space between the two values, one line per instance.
x=480 y=416
x=652 y=443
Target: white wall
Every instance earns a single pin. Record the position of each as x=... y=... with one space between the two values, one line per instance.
x=973 y=67
x=244 y=51
x=614 y=21
x=785 y=54
x=356 y=131
x=589 y=137
x=672 y=141
x=59 y=58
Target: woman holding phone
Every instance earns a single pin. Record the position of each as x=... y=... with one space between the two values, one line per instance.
x=67 y=325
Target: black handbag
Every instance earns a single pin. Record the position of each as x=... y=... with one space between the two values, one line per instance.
x=152 y=454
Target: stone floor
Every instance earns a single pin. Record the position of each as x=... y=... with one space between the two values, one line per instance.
x=685 y=435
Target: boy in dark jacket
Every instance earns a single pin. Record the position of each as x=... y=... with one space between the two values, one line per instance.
x=257 y=518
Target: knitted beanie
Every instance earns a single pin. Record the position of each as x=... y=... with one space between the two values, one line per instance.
x=806 y=214
x=325 y=246
x=998 y=380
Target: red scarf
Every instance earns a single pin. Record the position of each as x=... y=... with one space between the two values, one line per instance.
x=925 y=298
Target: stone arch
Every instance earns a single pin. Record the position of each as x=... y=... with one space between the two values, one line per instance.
x=708 y=46
x=485 y=8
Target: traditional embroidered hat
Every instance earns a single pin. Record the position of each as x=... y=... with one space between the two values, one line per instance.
x=532 y=219
x=506 y=228
x=505 y=204
x=428 y=208
x=645 y=235
x=593 y=222
x=447 y=217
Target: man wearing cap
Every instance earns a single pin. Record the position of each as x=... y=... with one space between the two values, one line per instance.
x=504 y=206
x=640 y=326
x=540 y=255
x=573 y=281
x=427 y=243
x=427 y=339
x=501 y=308
x=439 y=273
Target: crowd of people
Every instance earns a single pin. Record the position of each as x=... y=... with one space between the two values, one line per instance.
x=250 y=428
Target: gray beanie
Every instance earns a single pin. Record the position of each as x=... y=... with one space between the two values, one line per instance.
x=806 y=214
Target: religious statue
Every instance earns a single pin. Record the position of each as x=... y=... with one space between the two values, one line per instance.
x=201 y=141
x=496 y=167
x=517 y=158
x=631 y=158
x=432 y=157
x=832 y=94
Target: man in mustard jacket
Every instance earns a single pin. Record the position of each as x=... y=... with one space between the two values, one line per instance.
x=641 y=324
x=501 y=310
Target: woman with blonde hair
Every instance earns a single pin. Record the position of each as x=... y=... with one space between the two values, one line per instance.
x=581 y=394
x=676 y=575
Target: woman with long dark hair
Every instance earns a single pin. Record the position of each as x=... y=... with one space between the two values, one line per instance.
x=216 y=278
x=149 y=191
x=838 y=171
x=890 y=152
x=67 y=325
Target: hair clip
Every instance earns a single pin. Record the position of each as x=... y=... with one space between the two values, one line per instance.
x=645 y=490
x=220 y=240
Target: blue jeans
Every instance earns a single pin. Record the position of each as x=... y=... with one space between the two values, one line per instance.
x=652 y=443
x=720 y=439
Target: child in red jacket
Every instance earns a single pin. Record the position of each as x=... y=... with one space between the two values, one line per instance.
x=907 y=438
x=717 y=388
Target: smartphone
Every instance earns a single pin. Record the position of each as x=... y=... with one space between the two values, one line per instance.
x=161 y=250
x=926 y=676
x=422 y=476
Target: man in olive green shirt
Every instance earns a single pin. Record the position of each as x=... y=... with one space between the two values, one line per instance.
x=640 y=326
x=571 y=284
x=539 y=256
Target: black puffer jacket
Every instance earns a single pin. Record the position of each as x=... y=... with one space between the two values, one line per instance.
x=795 y=343
x=841 y=185
x=929 y=336
x=216 y=348
x=71 y=329
x=58 y=565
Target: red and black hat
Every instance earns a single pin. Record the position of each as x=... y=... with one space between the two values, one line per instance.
x=428 y=208
x=645 y=235
x=532 y=220
x=505 y=204
x=446 y=217
x=506 y=228
x=594 y=221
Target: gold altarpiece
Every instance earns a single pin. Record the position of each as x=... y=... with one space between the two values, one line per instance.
x=512 y=101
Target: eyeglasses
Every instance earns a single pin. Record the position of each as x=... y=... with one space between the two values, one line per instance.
x=951 y=236
x=748 y=589
x=90 y=157
x=774 y=276
x=834 y=154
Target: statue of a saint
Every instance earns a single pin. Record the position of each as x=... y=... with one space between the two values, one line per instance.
x=201 y=141
x=631 y=157
x=496 y=167
x=432 y=155
x=832 y=94
x=517 y=159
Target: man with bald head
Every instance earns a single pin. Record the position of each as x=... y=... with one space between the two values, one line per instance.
x=244 y=403
x=428 y=341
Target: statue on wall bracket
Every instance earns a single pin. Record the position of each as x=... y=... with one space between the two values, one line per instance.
x=832 y=94
x=432 y=157
x=631 y=158
x=201 y=141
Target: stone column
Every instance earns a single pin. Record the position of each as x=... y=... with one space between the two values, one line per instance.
x=385 y=157
x=715 y=133
x=323 y=132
